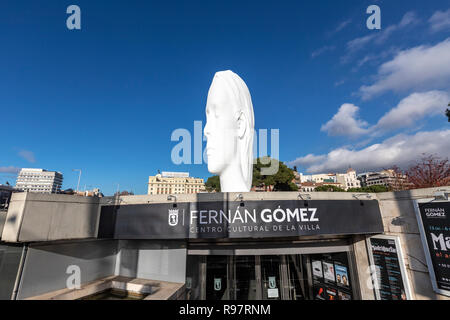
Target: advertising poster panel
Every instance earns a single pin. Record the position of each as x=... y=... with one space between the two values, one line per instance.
x=387 y=264
x=434 y=224
x=331 y=280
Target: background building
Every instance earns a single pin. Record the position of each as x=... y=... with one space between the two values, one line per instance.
x=39 y=180
x=90 y=193
x=321 y=177
x=308 y=183
x=5 y=195
x=174 y=183
x=348 y=180
x=388 y=178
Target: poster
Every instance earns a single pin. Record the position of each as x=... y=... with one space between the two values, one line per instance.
x=341 y=275
x=328 y=271
x=331 y=294
x=343 y=296
x=317 y=269
x=319 y=292
x=389 y=275
x=434 y=223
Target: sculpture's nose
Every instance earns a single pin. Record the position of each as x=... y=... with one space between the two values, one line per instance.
x=206 y=130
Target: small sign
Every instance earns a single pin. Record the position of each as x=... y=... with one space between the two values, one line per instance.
x=217 y=284
x=173 y=217
x=188 y=282
x=272 y=282
x=272 y=293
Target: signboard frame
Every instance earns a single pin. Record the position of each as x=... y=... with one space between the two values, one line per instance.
x=401 y=263
x=425 y=244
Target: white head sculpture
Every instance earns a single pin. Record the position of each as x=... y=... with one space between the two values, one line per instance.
x=229 y=132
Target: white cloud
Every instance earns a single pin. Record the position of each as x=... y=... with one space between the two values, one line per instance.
x=9 y=169
x=409 y=110
x=410 y=18
x=345 y=122
x=359 y=43
x=413 y=108
x=374 y=58
x=309 y=160
x=400 y=150
x=27 y=155
x=322 y=50
x=422 y=67
x=342 y=25
x=380 y=37
x=440 y=20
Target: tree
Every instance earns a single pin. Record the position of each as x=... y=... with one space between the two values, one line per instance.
x=124 y=193
x=281 y=180
x=328 y=188
x=399 y=180
x=429 y=171
x=447 y=113
x=370 y=189
x=213 y=184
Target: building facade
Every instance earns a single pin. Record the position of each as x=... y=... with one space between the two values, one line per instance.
x=175 y=183
x=228 y=246
x=39 y=180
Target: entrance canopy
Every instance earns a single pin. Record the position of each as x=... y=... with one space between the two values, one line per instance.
x=240 y=219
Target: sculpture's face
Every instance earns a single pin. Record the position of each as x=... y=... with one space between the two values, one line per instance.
x=221 y=127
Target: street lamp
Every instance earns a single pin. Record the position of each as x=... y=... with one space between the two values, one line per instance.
x=79 y=177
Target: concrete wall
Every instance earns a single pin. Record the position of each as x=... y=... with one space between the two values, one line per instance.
x=2 y=221
x=399 y=219
x=49 y=217
x=165 y=261
x=46 y=264
x=362 y=267
x=10 y=256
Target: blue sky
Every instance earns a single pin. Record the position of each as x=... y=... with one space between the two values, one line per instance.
x=106 y=98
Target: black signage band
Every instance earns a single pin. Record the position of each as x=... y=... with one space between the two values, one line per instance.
x=249 y=219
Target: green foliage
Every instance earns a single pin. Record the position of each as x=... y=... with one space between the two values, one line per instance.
x=213 y=183
x=370 y=189
x=328 y=188
x=282 y=180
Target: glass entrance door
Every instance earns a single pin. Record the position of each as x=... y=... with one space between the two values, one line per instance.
x=271 y=277
x=217 y=278
x=244 y=284
x=271 y=274
x=297 y=278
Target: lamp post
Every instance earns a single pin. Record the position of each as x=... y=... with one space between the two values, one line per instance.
x=79 y=177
